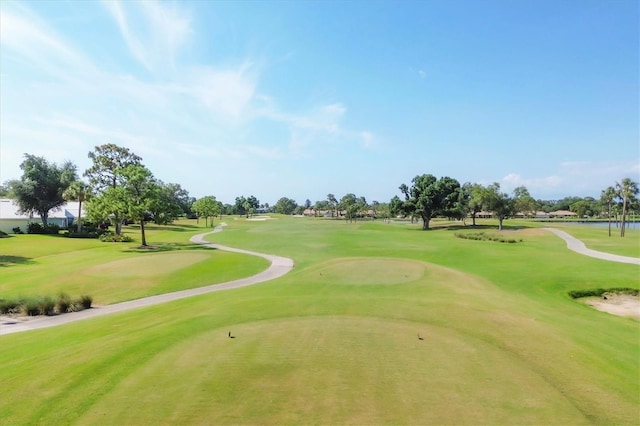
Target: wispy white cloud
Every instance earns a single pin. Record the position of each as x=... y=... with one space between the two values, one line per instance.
x=196 y=113
x=228 y=91
x=154 y=32
x=574 y=178
x=367 y=138
x=27 y=36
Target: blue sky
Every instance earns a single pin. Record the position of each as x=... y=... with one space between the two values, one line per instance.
x=300 y=99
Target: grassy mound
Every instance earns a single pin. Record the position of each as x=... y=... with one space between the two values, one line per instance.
x=360 y=271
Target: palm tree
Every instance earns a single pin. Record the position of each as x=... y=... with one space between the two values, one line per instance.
x=627 y=190
x=80 y=192
x=607 y=197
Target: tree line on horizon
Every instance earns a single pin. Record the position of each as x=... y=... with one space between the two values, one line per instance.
x=120 y=189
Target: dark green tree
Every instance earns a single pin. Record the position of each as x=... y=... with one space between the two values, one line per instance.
x=285 y=206
x=207 y=207
x=429 y=197
x=42 y=186
x=607 y=198
x=524 y=202
x=78 y=191
x=499 y=203
x=108 y=160
x=627 y=191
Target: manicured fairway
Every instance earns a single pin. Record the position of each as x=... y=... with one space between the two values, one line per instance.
x=336 y=341
x=110 y=272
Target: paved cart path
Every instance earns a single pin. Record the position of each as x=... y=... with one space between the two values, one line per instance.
x=279 y=266
x=578 y=246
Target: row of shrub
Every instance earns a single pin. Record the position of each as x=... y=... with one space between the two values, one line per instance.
x=482 y=236
x=89 y=230
x=598 y=292
x=112 y=237
x=44 y=305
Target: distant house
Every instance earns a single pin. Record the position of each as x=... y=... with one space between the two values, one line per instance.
x=562 y=214
x=64 y=217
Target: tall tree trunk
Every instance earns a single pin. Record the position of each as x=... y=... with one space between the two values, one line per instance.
x=500 y=219
x=624 y=213
x=425 y=222
x=144 y=237
x=79 y=216
x=473 y=216
x=609 y=217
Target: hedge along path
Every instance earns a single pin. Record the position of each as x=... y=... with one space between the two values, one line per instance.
x=578 y=246
x=279 y=267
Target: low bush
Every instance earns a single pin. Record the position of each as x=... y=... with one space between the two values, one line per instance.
x=17 y=230
x=598 y=292
x=3 y=234
x=44 y=305
x=36 y=228
x=110 y=237
x=89 y=230
x=10 y=306
x=85 y=301
x=30 y=307
x=64 y=303
x=481 y=236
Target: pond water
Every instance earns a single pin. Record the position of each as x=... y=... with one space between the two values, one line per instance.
x=614 y=225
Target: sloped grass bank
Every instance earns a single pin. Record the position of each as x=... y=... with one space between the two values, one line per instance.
x=115 y=272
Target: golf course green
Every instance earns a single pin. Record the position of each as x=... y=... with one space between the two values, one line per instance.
x=378 y=323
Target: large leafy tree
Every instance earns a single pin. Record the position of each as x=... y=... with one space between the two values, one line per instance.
x=286 y=205
x=523 y=202
x=108 y=161
x=607 y=198
x=475 y=199
x=428 y=197
x=207 y=207
x=171 y=203
x=349 y=203
x=78 y=191
x=333 y=203
x=141 y=191
x=627 y=191
x=499 y=203
x=42 y=185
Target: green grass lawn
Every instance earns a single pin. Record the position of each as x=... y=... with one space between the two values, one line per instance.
x=113 y=272
x=336 y=340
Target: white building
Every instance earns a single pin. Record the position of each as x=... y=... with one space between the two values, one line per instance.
x=65 y=216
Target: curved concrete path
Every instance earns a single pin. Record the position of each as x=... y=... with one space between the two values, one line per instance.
x=578 y=246
x=279 y=267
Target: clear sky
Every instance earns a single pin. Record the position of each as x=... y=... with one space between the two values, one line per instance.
x=300 y=99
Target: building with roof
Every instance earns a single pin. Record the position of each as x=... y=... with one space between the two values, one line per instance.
x=11 y=218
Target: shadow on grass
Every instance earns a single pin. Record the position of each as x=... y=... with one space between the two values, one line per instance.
x=14 y=260
x=471 y=228
x=165 y=247
x=173 y=228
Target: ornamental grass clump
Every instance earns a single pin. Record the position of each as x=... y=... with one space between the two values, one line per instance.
x=64 y=303
x=44 y=305
x=482 y=236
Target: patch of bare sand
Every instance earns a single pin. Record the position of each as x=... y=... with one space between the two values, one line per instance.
x=625 y=305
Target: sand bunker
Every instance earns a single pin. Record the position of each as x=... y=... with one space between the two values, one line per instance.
x=259 y=218
x=625 y=305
